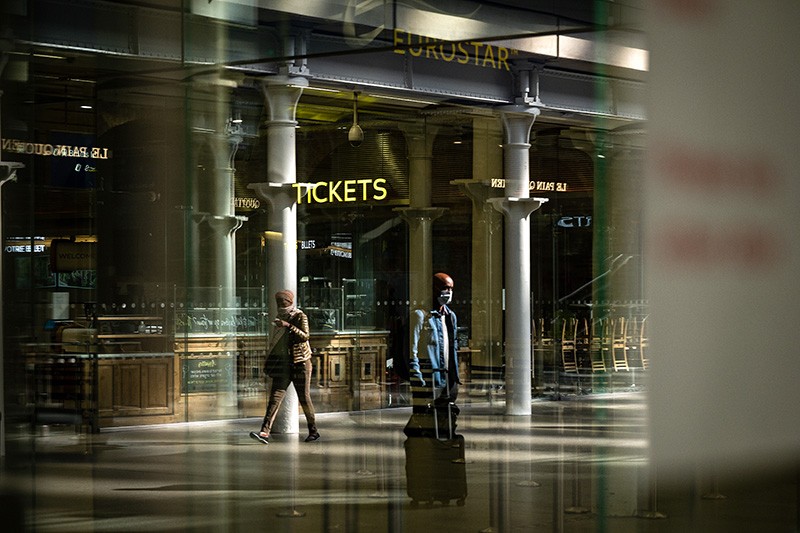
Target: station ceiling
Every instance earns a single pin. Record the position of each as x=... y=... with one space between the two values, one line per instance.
x=591 y=55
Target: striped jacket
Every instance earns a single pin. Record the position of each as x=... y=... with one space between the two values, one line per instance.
x=299 y=334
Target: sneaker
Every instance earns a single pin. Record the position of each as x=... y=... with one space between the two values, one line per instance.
x=263 y=438
x=312 y=437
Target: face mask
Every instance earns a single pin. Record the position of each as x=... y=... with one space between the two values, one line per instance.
x=445 y=297
x=283 y=312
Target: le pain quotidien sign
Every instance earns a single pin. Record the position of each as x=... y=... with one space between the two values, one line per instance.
x=537 y=186
x=17 y=146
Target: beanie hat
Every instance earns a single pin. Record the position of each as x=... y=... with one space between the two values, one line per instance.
x=287 y=294
x=441 y=280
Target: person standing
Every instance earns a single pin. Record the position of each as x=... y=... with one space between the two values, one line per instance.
x=434 y=350
x=288 y=361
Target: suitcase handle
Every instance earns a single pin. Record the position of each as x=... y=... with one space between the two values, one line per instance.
x=446 y=405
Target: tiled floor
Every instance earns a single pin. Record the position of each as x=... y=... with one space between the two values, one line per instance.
x=578 y=464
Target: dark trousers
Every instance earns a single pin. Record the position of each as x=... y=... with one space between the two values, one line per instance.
x=300 y=375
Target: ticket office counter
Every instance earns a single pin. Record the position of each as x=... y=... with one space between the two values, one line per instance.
x=135 y=371
x=349 y=370
x=203 y=377
x=348 y=373
x=100 y=390
x=118 y=372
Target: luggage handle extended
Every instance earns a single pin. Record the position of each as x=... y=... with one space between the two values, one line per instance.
x=447 y=405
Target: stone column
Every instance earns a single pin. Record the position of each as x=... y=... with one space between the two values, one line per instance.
x=213 y=260
x=420 y=254
x=281 y=94
x=517 y=207
x=217 y=223
x=420 y=215
x=487 y=277
x=487 y=254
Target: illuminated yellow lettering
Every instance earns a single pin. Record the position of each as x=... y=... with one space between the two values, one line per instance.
x=332 y=193
x=431 y=48
x=337 y=191
x=349 y=190
x=418 y=51
x=378 y=185
x=477 y=47
x=299 y=192
x=317 y=198
x=364 y=184
x=452 y=55
x=502 y=57
x=489 y=57
x=465 y=55
x=398 y=39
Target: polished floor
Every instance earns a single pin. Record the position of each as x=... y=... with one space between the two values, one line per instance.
x=576 y=464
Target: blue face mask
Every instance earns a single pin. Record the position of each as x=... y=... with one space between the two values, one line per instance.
x=445 y=297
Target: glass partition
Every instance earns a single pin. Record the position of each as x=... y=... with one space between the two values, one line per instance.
x=181 y=169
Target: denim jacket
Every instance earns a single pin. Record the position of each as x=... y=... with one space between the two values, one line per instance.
x=428 y=344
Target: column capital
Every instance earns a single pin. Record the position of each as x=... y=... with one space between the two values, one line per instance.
x=517 y=123
x=276 y=194
x=419 y=139
x=478 y=190
x=222 y=224
x=281 y=80
x=517 y=207
x=413 y=214
x=519 y=110
x=282 y=93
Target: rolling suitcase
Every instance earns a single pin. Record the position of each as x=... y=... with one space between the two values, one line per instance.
x=436 y=470
x=435 y=460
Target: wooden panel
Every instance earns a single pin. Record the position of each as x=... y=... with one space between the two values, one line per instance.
x=156 y=384
x=105 y=385
x=129 y=389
